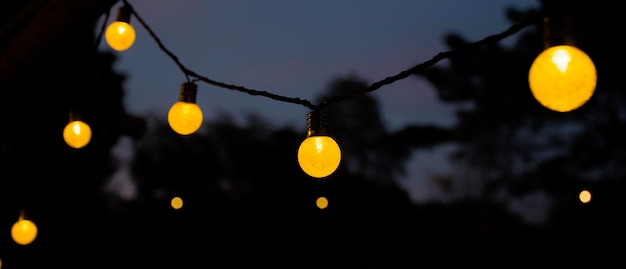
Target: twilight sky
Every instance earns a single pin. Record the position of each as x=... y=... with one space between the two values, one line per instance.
x=295 y=48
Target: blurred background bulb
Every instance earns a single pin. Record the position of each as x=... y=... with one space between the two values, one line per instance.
x=120 y=34
x=185 y=116
x=584 y=196
x=321 y=202
x=77 y=133
x=562 y=78
x=23 y=231
x=176 y=202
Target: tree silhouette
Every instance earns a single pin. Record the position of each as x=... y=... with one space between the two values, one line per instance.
x=242 y=183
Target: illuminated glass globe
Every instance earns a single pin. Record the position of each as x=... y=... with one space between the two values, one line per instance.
x=185 y=118
x=562 y=78
x=319 y=156
x=24 y=231
x=120 y=35
x=77 y=134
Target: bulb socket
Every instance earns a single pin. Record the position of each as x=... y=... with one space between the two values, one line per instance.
x=123 y=14
x=317 y=123
x=556 y=30
x=74 y=115
x=188 y=91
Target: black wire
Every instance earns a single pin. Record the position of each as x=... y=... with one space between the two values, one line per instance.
x=338 y=98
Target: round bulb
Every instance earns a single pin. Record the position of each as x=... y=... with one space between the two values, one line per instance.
x=24 y=231
x=319 y=156
x=120 y=35
x=562 y=78
x=184 y=118
x=176 y=202
x=77 y=134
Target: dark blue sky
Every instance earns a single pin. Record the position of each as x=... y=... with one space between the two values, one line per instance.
x=295 y=48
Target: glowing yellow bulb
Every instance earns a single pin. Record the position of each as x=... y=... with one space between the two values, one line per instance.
x=184 y=117
x=562 y=78
x=24 y=231
x=77 y=134
x=120 y=35
x=176 y=202
x=584 y=196
x=321 y=202
x=319 y=156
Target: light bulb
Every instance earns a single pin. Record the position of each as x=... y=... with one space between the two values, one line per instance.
x=319 y=155
x=185 y=116
x=562 y=78
x=120 y=35
x=77 y=133
x=24 y=231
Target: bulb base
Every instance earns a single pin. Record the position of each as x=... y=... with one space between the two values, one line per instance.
x=556 y=31
x=123 y=14
x=188 y=92
x=317 y=123
x=74 y=115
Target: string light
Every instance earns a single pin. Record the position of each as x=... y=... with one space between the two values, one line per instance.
x=185 y=116
x=24 y=231
x=120 y=34
x=319 y=155
x=562 y=77
x=76 y=133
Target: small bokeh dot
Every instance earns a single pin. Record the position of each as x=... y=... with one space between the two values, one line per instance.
x=321 y=202
x=176 y=202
